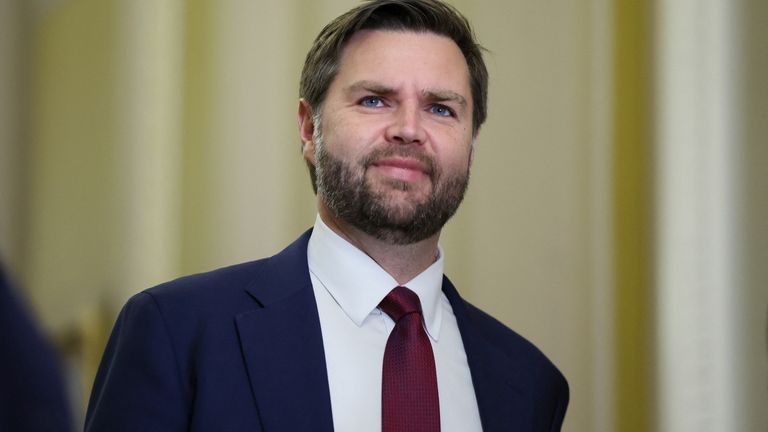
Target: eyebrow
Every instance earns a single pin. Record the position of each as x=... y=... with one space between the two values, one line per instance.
x=445 y=96
x=435 y=95
x=371 y=86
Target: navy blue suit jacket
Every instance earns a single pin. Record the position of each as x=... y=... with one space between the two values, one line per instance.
x=240 y=349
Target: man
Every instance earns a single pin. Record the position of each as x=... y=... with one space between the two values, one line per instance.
x=353 y=327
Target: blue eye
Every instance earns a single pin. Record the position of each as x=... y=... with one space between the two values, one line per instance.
x=441 y=110
x=372 y=102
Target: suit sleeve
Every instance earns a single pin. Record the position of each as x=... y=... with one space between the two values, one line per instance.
x=560 y=407
x=139 y=385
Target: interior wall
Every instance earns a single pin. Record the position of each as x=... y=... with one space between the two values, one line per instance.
x=72 y=254
x=11 y=31
x=753 y=223
x=632 y=169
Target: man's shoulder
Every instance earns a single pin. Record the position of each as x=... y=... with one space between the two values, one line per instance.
x=525 y=364
x=220 y=283
x=510 y=342
x=517 y=351
x=232 y=287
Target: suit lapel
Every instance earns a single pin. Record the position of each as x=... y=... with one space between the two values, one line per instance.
x=500 y=385
x=283 y=347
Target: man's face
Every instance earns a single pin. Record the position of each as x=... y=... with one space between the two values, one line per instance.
x=393 y=147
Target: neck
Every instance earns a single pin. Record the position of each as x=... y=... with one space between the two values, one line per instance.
x=402 y=262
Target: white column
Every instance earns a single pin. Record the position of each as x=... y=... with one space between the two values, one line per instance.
x=148 y=84
x=697 y=255
x=256 y=196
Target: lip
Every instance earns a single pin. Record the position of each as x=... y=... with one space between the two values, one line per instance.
x=404 y=169
x=406 y=164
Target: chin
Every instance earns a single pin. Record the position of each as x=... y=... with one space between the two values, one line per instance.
x=404 y=193
x=403 y=208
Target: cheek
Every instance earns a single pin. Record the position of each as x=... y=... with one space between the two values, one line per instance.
x=341 y=148
x=458 y=157
x=462 y=163
x=350 y=143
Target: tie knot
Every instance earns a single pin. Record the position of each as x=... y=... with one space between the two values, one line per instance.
x=400 y=302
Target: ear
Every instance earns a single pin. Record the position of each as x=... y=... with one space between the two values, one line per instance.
x=306 y=131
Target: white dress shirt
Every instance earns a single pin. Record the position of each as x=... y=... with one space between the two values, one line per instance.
x=348 y=287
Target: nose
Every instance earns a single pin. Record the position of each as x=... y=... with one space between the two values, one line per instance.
x=406 y=126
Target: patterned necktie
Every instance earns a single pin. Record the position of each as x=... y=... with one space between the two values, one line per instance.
x=409 y=381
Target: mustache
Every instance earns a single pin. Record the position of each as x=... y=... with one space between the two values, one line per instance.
x=406 y=152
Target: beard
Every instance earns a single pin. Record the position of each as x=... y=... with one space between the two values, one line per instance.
x=344 y=189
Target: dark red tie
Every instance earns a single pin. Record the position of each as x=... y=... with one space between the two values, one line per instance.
x=409 y=381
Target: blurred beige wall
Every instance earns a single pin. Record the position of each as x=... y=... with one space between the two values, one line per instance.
x=144 y=140
x=11 y=158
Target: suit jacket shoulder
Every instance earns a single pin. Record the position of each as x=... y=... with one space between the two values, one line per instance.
x=266 y=280
x=516 y=385
x=238 y=348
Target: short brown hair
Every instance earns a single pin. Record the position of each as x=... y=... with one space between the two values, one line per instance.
x=434 y=16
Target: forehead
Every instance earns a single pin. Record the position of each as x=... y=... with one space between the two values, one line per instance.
x=404 y=58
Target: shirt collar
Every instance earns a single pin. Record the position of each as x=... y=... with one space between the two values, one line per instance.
x=358 y=284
